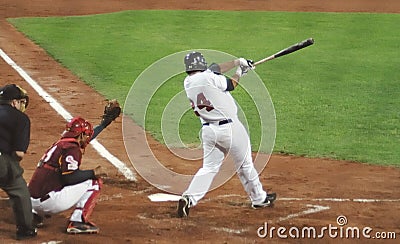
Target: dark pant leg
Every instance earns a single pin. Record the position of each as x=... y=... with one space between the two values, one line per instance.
x=20 y=200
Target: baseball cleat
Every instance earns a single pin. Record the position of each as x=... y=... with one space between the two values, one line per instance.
x=82 y=228
x=269 y=200
x=183 y=207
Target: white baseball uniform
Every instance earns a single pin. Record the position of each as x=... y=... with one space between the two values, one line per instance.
x=222 y=133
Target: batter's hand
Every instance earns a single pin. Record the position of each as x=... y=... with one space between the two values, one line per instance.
x=246 y=63
x=241 y=71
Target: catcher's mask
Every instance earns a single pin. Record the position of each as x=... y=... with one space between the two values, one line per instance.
x=79 y=128
x=13 y=91
x=195 y=61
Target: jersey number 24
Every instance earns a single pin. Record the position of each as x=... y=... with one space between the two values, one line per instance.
x=202 y=102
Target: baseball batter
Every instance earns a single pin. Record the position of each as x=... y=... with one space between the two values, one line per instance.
x=222 y=132
x=58 y=183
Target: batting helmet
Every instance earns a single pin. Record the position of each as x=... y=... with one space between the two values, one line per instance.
x=77 y=126
x=195 y=61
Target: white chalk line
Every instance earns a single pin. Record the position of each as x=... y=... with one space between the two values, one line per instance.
x=67 y=116
x=108 y=198
x=163 y=197
x=159 y=197
x=360 y=200
x=313 y=209
x=229 y=230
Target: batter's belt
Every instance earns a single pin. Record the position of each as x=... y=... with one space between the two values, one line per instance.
x=222 y=122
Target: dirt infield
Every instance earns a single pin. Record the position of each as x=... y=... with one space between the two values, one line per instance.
x=311 y=192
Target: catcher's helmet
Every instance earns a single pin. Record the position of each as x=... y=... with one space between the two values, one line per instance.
x=195 y=61
x=77 y=126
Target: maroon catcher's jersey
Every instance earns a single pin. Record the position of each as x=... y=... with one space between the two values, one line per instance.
x=63 y=157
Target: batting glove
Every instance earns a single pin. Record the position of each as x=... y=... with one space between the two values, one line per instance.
x=246 y=63
x=241 y=71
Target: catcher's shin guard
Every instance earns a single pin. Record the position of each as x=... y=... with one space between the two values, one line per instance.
x=91 y=201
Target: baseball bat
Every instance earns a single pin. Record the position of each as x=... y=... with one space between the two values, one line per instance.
x=286 y=51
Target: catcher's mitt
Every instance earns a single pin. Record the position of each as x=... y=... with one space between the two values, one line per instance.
x=111 y=111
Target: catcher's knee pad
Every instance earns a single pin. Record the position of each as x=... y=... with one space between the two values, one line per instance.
x=91 y=201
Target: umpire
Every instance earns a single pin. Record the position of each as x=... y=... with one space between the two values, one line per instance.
x=14 y=141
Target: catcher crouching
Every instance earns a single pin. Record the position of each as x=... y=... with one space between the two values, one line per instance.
x=58 y=183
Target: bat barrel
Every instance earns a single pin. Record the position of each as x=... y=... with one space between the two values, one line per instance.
x=288 y=50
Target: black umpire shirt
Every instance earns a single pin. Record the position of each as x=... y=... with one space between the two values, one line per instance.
x=14 y=130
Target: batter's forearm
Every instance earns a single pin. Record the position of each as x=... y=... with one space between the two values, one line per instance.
x=225 y=67
x=235 y=80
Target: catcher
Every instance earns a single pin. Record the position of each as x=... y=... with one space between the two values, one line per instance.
x=58 y=183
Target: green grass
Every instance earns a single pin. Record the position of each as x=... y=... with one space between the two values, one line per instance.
x=338 y=98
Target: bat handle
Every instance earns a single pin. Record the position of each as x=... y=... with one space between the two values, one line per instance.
x=264 y=60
